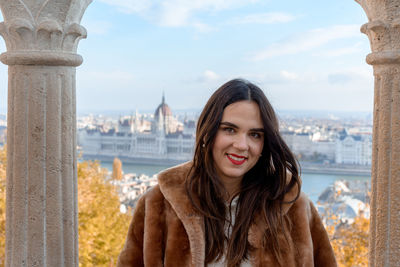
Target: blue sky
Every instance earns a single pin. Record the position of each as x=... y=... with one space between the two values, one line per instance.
x=305 y=55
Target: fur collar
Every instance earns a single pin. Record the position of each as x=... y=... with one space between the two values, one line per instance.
x=172 y=186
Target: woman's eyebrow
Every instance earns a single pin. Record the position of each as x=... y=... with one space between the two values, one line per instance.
x=226 y=123
x=229 y=124
x=257 y=129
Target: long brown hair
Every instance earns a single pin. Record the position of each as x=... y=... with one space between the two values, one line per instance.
x=262 y=188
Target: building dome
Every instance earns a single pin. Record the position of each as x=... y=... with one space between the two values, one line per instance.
x=164 y=108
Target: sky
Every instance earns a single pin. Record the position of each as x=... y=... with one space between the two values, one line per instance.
x=305 y=55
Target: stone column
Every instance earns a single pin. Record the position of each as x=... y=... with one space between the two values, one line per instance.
x=41 y=38
x=383 y=30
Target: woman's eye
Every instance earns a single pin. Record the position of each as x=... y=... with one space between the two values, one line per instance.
x=256 y=135
x=228 y=130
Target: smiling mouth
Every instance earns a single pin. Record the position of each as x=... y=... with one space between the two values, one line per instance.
x=236 y=159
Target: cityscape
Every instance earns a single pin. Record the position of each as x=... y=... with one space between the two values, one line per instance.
x=164 y=138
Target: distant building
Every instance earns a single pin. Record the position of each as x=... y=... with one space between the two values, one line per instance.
x=302 y=144
x=325 y=147
x=164 y=142
x=288 y=138
x=299 y=143
x=354 y=149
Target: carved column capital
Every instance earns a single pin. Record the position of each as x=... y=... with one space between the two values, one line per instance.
x=383 y=30
x=42 y=32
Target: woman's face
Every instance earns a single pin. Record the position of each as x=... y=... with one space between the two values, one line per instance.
x=239 y=141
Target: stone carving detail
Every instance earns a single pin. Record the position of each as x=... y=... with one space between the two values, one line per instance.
x=20 y=34
x=383 y=30
x=42 y=32
x=383 y=36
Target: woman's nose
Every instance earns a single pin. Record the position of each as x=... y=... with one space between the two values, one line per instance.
x=241 y=142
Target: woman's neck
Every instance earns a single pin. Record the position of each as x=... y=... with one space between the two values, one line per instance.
x=232 y=188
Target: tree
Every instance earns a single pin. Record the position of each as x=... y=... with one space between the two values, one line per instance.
x=102 y=227
x=3 y=163
x=350 y=241
x=117 y=169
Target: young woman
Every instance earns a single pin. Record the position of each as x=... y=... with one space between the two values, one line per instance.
x=238 y=203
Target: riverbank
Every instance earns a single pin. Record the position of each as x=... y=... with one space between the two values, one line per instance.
x=150 y=161
x=306 y=167
x=338 y=169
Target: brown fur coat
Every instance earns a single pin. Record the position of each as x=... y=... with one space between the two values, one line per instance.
x=167 y=231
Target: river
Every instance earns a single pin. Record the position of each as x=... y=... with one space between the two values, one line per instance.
x=313 y=184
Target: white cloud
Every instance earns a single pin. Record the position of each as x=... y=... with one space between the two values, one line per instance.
x=174 y=16
x=174 y=13
x=289 y=75
x=264 y=18
x=307 y=41
x=209 y=76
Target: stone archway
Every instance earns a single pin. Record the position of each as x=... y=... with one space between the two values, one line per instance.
x=42 y=38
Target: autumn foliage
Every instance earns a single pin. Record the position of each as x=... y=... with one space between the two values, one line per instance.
x=102 y=228
x=350 y=241
x=3 y=163
x=117 y=169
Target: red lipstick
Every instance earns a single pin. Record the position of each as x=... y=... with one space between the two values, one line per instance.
x=236 y=159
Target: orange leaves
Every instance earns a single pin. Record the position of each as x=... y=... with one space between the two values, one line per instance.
x=349 y=241
x=102 y=228
x=3 y=163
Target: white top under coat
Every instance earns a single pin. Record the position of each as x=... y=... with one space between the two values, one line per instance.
x=228 y=231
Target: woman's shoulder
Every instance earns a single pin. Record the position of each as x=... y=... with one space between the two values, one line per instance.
x=151 y=195
x=167 y=178
x=303 y=207
x=170 y=187
x=174 y=175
